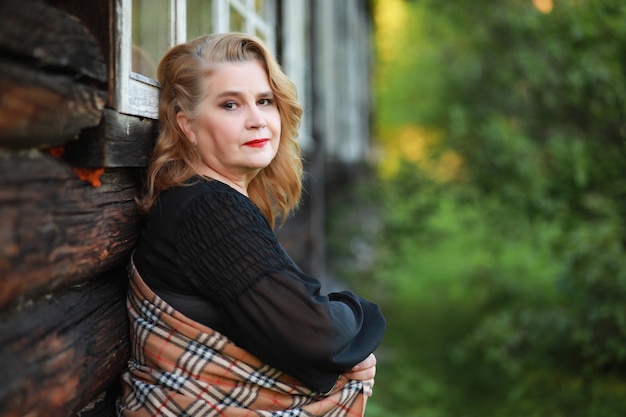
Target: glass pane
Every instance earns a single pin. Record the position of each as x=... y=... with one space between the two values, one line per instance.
x=260 y=34
x=236 y=21
x=151 y=34
x=198 y=18
x=259 y=6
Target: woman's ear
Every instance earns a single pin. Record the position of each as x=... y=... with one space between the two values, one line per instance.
x=185 y=124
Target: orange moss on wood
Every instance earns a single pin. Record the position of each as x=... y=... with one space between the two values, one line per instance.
x=90 y=175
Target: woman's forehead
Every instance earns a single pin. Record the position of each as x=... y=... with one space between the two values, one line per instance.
x=247 y=75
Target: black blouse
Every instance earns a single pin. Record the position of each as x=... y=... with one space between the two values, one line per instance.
x=209 y=252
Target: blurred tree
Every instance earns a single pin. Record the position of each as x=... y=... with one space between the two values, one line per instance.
x=529 y=97
x=540 y=124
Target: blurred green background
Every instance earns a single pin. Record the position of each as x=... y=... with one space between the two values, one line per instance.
x=492 y=228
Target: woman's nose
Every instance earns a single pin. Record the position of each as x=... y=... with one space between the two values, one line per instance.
x=256 y=119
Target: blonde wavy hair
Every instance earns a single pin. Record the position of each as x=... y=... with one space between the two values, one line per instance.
x=277 y=188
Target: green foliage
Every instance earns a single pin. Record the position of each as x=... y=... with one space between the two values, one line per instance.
x=504 y=289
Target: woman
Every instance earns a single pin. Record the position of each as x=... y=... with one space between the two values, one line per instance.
x=222 y=320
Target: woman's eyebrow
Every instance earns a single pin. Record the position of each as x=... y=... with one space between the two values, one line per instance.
x=229 y=93
x=236 y=93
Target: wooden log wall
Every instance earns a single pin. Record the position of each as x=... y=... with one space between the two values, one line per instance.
x=70 y=168
x=69 y=172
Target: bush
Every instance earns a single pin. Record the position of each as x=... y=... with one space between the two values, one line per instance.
x=503 y=282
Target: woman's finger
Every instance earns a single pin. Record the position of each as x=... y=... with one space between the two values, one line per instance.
x=368 y=362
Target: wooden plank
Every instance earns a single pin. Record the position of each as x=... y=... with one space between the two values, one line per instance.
x=50 y=38
x=52 y=76
x=119 y=141
x=59 y=352
x=57 y=230
x=97 y=16
x=38 y=109
x=103 y=405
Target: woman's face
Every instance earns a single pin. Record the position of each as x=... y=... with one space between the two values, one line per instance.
x=237 y=125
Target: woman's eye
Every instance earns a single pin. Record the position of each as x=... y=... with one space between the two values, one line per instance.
x=266 y=102
x=229 y=105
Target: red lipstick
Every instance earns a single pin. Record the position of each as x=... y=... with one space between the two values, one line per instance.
x=257 y=143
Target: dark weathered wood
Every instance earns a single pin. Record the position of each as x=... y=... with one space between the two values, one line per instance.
x=119 y=141
x=57 y=230
x=97 y=16
x=103 y=405
x=59 y=352
x=50 y=38
x=52 y=76
x=39 y=110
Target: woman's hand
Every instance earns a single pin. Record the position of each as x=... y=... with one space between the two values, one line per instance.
x=364 y=370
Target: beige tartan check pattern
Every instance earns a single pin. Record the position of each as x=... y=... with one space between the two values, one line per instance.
x=182 y=368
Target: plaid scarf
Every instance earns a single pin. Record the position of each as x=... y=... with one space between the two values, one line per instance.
x=180 y=367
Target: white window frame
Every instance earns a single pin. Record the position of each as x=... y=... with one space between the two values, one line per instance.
x=253 y=23
x=295 y=60
x=137 y=94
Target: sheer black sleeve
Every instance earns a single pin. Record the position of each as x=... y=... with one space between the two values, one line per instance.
x=268 y=305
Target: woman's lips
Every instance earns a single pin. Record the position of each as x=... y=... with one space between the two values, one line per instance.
x=257 y=143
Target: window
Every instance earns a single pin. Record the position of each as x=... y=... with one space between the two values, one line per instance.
x=148 y=28
x=295 y=59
